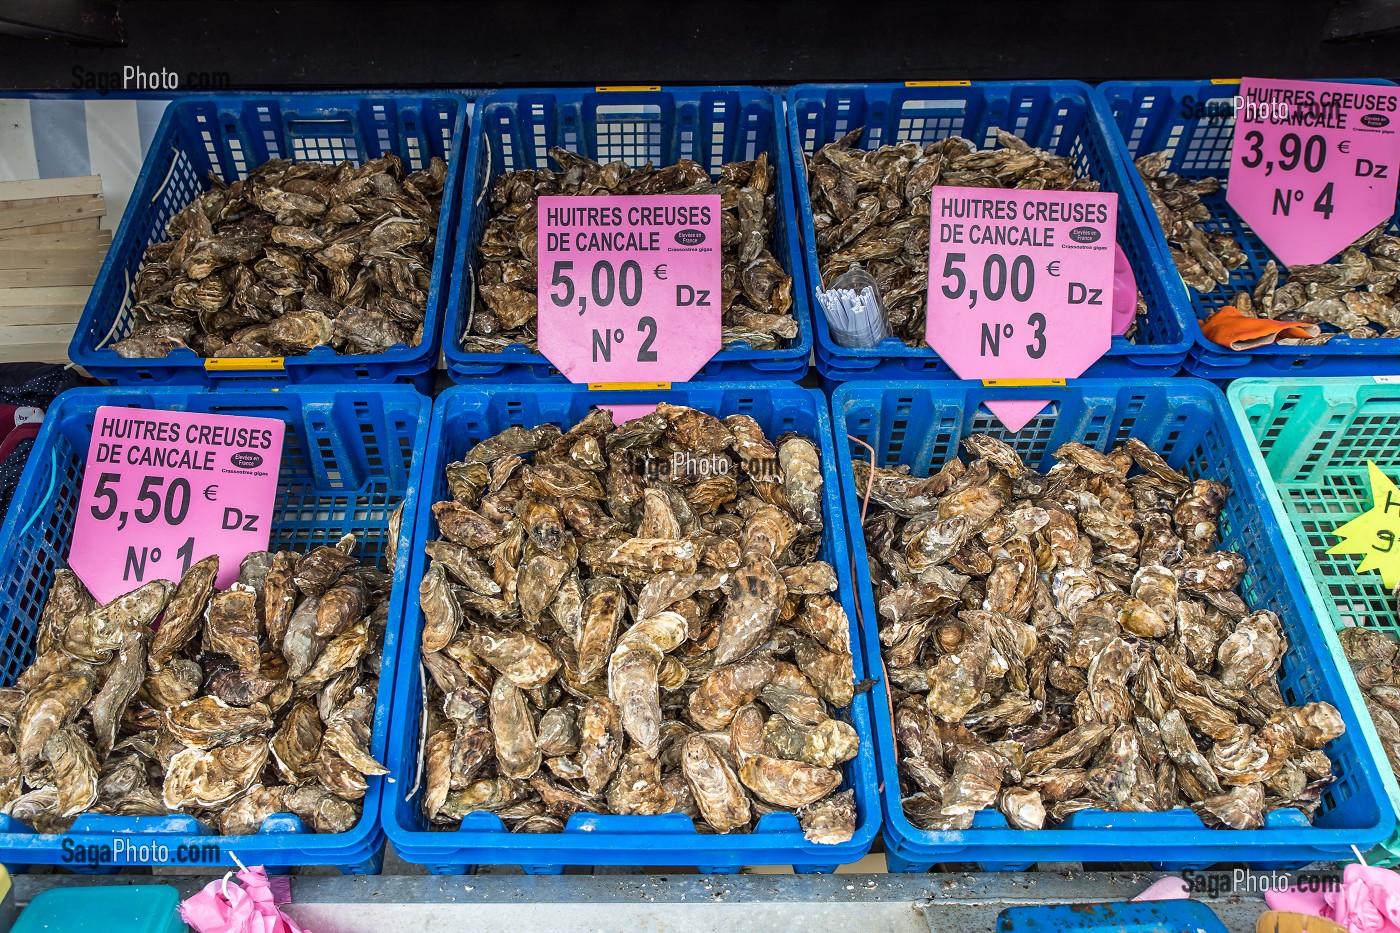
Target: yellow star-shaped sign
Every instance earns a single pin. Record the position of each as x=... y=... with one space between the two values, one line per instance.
x=1375 y=533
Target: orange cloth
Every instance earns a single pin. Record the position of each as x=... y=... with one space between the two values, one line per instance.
x=1231 y=327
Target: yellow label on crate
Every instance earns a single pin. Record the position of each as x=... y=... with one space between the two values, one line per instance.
x=1224 y=80
x=604 y=88
x=1005 y=383
x=244 y=363
x=1374 y=535
x=594 y=386
x=937 y=83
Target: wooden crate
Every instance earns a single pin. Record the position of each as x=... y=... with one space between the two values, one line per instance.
x=51 y=247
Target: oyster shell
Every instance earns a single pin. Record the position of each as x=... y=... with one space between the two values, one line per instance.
x=1093 y=655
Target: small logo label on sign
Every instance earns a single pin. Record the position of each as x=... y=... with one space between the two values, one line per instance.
x=1375 y=120
x=246 y=460
x=1084 y=235
x=690 y=237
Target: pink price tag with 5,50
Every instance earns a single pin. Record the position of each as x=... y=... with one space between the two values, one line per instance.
x=164 y=489
x=1313 y=165
x=629 y=285
x=1021 y=282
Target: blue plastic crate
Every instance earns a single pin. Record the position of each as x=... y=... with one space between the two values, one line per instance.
x=921 y=425
x=1194 y=121
x=1064 y=117
x=230 y=135
x=1148 y=917
x=348 y=458
x=514 y=130
x=466 y=415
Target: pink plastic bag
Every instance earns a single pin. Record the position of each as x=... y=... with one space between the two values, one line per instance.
x=1367 y=902
x=222 y=907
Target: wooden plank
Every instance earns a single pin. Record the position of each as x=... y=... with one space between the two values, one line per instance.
x=66 y=211
x=45 y=295
x=67 y=226
x=47 y=314
x=53 y=259
x=61 y=275
x=49 y=352
x=50 y=187
x=40 y=343
x=24 y=239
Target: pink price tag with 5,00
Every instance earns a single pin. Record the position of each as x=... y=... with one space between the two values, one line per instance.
x=1021 y=282
x=1313 y=165
x=164 y=489
x=629 y=285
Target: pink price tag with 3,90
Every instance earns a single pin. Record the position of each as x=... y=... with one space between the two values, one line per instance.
x=164 y=489
x=629 y=285
x=1313 y=165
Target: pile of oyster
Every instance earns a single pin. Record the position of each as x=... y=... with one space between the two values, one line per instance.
x=1356 y=296
x=1074 y=641
x=870 y=208
x=632 y=620
x=226 y=705
x=298 y=255
x=1375 y=660
x=756 y=291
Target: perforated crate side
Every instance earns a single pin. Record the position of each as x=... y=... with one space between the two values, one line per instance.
x=1194 y=122
x=225 y=137
x=711 y=125
x=348 y=457
x=921 y=425
x=1064 y=117
x=464 y=416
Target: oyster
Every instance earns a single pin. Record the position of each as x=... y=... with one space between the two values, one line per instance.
x=1098 y=658
x=1356 y=297
x=653 y=637
x=871 y=208
x=293 y=257
x=199 y=716
x=757 y=296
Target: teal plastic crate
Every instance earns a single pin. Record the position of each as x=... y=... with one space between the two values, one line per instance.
x=140 y=908
x=1311 y=439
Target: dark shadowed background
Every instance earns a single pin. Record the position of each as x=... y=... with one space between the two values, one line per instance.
x=421 y=44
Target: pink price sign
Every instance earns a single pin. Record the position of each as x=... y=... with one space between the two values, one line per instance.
x=1313 y=165
x=164 y=489
x=1020 y=283
x=629 y=285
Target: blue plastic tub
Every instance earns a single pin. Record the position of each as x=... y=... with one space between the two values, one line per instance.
x=1064 y=117
x=229 y=135
x=1150 y=917
x=463 y=416
x=1194 y=121
x=514 y=130
x=921 y=424
x=349 y=456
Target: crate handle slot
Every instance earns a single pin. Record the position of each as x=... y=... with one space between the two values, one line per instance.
x=330 y=127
